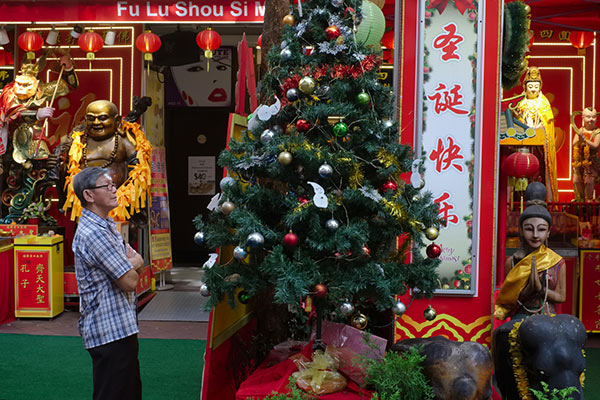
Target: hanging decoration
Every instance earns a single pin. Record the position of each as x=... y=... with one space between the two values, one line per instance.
x=208 y=40
x=388 y=39
x=581 y=39
x=148 y=43
x=520 y=166
x=90 y=42
x=370 y=30
x=30 y=42
x=462 y=5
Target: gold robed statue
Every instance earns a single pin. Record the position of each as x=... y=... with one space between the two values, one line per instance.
x=536 y=275
x=535 y=111
x=586 y=162
x=106 y=140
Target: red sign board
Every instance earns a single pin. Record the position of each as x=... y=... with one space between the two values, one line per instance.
x=19 y=230
x=205 y=11
x=33 y=279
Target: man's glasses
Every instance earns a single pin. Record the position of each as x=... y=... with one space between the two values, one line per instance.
x=109 y=186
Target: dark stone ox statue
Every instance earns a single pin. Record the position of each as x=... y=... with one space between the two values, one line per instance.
x=456 y=370
x=550 y=349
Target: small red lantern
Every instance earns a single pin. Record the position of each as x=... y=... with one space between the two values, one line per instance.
x=521 y=165
x=260 y=41
x=90 y=42
x=147 y=43
x=208 y=40
x=388 y=39
x=6 y=57
x=581 y=39
x=30 y=42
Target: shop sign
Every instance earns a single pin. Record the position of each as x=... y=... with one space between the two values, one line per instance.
x=205 y=11
x=449 y=68
x=32 y=277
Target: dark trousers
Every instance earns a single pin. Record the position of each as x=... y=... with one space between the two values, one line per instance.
x=117 y=370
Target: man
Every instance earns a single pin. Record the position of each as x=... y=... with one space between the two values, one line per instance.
x=107 y=276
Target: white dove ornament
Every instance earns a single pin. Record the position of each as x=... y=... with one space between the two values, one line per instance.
x=214 y=202
x=319 y=199
x=415 y=176
x=212 y=259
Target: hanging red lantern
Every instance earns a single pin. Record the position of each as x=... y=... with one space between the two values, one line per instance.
x=30 y=42
x=520 y=166
x=6 y=57
x=147 y=43
x=388 y=39
x=208 y=40
x=90 y=42
x=260 y=41
x=581 y=39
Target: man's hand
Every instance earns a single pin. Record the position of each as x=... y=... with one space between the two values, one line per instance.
x=44 y=112
x=134 y=258
x=66 y=62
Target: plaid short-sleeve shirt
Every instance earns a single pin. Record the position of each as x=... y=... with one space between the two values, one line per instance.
x=107 y=312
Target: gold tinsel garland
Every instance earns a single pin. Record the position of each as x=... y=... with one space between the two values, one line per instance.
x=387 y=159
x=517 y=359
x=132 y=194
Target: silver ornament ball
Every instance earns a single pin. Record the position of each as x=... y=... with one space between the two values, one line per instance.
x=332 y=225
x=255 y=240
x=325 y=171
x=225 y=182
x=346 y=308
x=399 y=308
x=204 y=290
x=239 y=253
x=286 y=54
x=267 y=136
x=277 y=129
x=199 y=238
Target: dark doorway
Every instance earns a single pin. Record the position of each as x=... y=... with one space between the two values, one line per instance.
x=185 y=130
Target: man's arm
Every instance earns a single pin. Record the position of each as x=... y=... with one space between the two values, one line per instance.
x=129 y=281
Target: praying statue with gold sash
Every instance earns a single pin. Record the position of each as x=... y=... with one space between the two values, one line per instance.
x=536 y=275
x=535 y=111
x=586 y=162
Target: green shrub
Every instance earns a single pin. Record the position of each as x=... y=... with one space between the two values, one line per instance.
x=555 y=394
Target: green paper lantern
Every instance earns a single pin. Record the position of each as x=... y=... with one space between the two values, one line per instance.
x=372 y=27
x=340 y=129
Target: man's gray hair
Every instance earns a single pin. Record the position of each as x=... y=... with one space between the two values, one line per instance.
x=86 y=179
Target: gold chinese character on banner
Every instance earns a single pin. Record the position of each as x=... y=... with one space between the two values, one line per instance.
x=597 y=282
x=123 y=37
x=564 y=36
x=40 y=298
x=24 y=283
x=546 y=34
x=23 y=268
x=39 y=279
x=40 y=268
x=40 y=289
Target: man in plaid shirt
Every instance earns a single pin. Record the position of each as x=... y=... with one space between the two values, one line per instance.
x=107 y=276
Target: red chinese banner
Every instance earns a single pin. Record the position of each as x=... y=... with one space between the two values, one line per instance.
x=32 y=277
x=18 y=230
x=205 y=11
x=589 y=310
x=160 y=225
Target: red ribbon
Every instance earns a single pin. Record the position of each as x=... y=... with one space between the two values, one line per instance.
x=462 y=5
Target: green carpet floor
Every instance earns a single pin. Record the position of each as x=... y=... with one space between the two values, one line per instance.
x=59 y=368
x=591 y=389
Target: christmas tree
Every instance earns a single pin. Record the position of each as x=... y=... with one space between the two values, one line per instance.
x=315 y=204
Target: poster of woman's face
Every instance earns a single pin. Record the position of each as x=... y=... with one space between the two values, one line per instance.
x=206 y=83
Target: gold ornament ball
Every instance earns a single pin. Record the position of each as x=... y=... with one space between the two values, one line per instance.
x=429 y=313
x=289 y=20
x=307 y=85
x=285 y=158
x=359 y=321
x=431 y=233
x=227 y=207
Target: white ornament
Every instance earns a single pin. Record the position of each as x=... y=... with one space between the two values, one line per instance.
x=415 y=176
x=212 y=259
x=265 y=112
x=319 y=199
x=214 y=202
x=370 y=193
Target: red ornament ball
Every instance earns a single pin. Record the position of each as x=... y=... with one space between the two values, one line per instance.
x=320 y=290
x=389 y=185
x=302 y=125
x=366 y=251
x=433 y=250
x=457 y=283
x=333 y=32
x=302 y=200
x=290 y=240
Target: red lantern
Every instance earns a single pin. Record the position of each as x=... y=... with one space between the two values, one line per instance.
x=147 y=43
x=260 y=41
x=30 y=42
x=581 y=39
x=208 y=40
x=388 y=39
x=521 y=165
x=6 y=58
x=90 y=42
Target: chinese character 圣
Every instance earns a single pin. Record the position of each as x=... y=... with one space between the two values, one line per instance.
x=447 y=99
x=445 y=208
x=445 y=157
x=448 y=42
x=40 y=298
